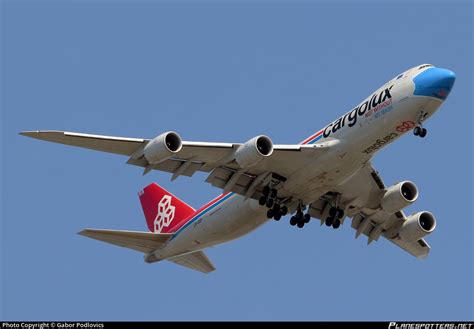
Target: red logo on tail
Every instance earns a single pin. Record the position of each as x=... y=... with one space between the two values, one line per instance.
x=164 y=212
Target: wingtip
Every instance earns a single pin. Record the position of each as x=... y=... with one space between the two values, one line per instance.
x=83 y=232
x=39 y=134
x=28 y=133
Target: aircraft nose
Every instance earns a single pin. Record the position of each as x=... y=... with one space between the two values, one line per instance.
x=434 y=82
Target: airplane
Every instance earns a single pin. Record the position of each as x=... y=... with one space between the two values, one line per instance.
x=327 y=177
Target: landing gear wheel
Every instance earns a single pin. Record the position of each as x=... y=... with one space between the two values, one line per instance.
x=284 y=210
x=306 y=218
x=273 y=193
x=340 y=213
x=417 y=131
x=276 y=208
x=336 y=223
x=423 y=132
x=269 y=203
x=262 y=200
x=266 y=190
x=333 y=212
x=300 y=224
x=293 y=221
x=329 y=221
x=270 y=213
x=277 y=217
x=299 y=215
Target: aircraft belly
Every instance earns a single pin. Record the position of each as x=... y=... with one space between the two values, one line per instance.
x=237 y=219
x=323 y=174
x=233 y=219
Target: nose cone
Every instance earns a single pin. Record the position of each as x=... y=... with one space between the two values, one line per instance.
x=434 y=82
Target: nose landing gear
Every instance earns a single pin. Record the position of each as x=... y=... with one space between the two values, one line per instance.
x=419 y=130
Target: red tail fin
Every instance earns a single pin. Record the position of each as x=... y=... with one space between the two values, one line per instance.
x=164 y=212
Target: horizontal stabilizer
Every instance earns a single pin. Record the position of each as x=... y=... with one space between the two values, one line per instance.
x=145 y=242
x=196 y=260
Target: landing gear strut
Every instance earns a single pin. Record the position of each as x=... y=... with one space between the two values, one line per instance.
x=419 y=130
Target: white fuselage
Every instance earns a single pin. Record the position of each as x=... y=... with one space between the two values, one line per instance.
x=366 y=129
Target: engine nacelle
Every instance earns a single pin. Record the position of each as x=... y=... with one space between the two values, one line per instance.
x=417 y=226
x=162 y=147
x=399 y=196
x=253 y=151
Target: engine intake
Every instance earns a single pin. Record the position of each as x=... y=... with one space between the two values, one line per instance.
x=399 y=196
x=253 y=151
x=162 y=147
x=417 y=226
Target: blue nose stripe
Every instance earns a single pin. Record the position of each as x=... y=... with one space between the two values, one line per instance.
x=434 y=82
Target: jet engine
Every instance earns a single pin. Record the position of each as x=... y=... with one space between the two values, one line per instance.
x=253 y=151
x=162 y=147
x=417 y=226
x=399 y=196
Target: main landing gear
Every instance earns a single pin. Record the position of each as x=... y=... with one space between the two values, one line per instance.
x=276 y=211
x=335 y=213
x=268 y=199
x=419 y=130
x=299 y=219
x=334 y=218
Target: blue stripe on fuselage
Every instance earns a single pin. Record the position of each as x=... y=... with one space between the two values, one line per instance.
x=316 y=139
x=202 y=213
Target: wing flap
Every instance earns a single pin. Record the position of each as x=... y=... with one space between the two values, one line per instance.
x=420 y=249
x=219 y=177
x=145 y=242
x=196 y=260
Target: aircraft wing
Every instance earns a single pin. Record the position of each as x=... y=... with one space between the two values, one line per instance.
x=214 y=158
x=361 y=196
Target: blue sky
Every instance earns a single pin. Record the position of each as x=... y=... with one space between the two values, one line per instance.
x=223 y=72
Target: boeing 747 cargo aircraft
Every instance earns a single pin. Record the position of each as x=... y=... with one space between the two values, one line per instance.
x=328 y=177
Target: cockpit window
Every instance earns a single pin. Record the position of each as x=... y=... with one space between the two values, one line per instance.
x=400 y=76
x=423 y=66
